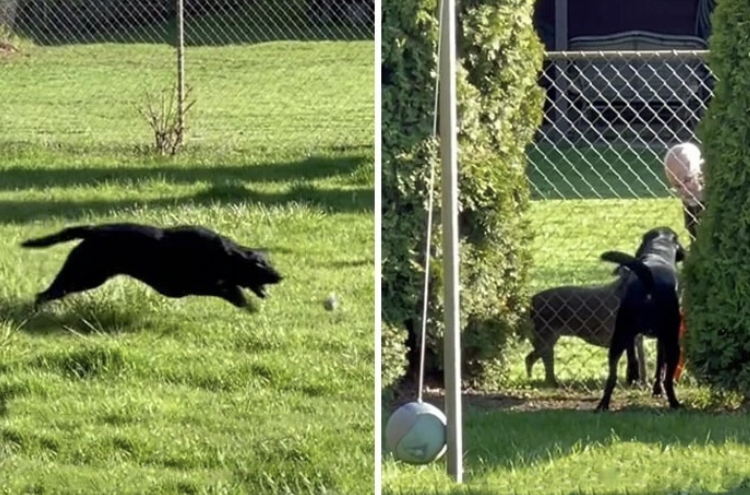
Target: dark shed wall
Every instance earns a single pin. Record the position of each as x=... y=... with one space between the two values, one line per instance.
x=605 y=17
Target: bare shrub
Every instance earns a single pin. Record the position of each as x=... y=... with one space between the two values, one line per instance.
x=161 y=112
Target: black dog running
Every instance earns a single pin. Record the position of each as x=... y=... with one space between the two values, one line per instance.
x=179 y=261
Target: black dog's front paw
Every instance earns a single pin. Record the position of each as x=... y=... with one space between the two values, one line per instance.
x=603 y=406
x=675 y=405
x=260 y=291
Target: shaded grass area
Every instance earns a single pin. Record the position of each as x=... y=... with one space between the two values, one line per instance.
x=334 y=183
x=120 y=390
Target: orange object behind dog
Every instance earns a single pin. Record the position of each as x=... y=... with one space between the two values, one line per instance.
x=681 y=362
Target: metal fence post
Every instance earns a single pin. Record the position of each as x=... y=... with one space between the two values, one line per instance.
x=180 y=33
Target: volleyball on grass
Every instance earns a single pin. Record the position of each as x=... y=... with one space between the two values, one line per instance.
x=415 y=433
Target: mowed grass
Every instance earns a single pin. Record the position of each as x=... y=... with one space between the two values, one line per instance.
x=528 y=439
x=121 y=390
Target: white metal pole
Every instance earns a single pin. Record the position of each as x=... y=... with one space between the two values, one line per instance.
x=449 y=159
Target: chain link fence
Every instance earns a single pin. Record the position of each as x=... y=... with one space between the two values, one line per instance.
x=284 y=74
x=598 y=183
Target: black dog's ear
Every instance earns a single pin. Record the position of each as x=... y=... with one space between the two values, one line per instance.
x=251 y=253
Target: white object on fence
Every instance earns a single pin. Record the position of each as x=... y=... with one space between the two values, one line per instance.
x=683 y=166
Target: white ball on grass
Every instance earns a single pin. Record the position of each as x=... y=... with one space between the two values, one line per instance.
x=331 y=302
x=416 y=433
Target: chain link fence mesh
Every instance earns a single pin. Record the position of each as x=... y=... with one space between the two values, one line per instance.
x=255 y=85
x=598 y=183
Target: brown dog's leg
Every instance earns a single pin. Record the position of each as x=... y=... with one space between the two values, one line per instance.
x=531 y=359
x=548 y=358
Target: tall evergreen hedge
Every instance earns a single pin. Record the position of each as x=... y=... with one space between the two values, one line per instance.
x=500 y=108
x=717 y=285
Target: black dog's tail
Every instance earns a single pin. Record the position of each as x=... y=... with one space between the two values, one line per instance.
x=64 y=235
x=641 y=271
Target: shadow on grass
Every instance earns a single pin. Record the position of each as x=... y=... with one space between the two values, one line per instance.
x=312 y=168
x=350 y=263
x=6 y=395
x=261 y=21
x=77 y=315
x=334 y=200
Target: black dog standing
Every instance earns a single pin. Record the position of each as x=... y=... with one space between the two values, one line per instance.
x=650 y=305
x=176 y=262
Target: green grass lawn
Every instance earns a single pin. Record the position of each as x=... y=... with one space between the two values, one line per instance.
x=123 y=391
x=528 y=439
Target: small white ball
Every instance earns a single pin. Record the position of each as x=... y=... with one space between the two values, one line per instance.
x=331 y=302
x=416 y=433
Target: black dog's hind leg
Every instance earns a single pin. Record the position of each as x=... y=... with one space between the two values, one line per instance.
x=633 y=370
x=620 y=342
x=672 y=357
x=615 y=352
x=83 y=270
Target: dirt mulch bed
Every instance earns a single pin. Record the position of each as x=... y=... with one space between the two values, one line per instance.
x=512 y=401
x=540 y=400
